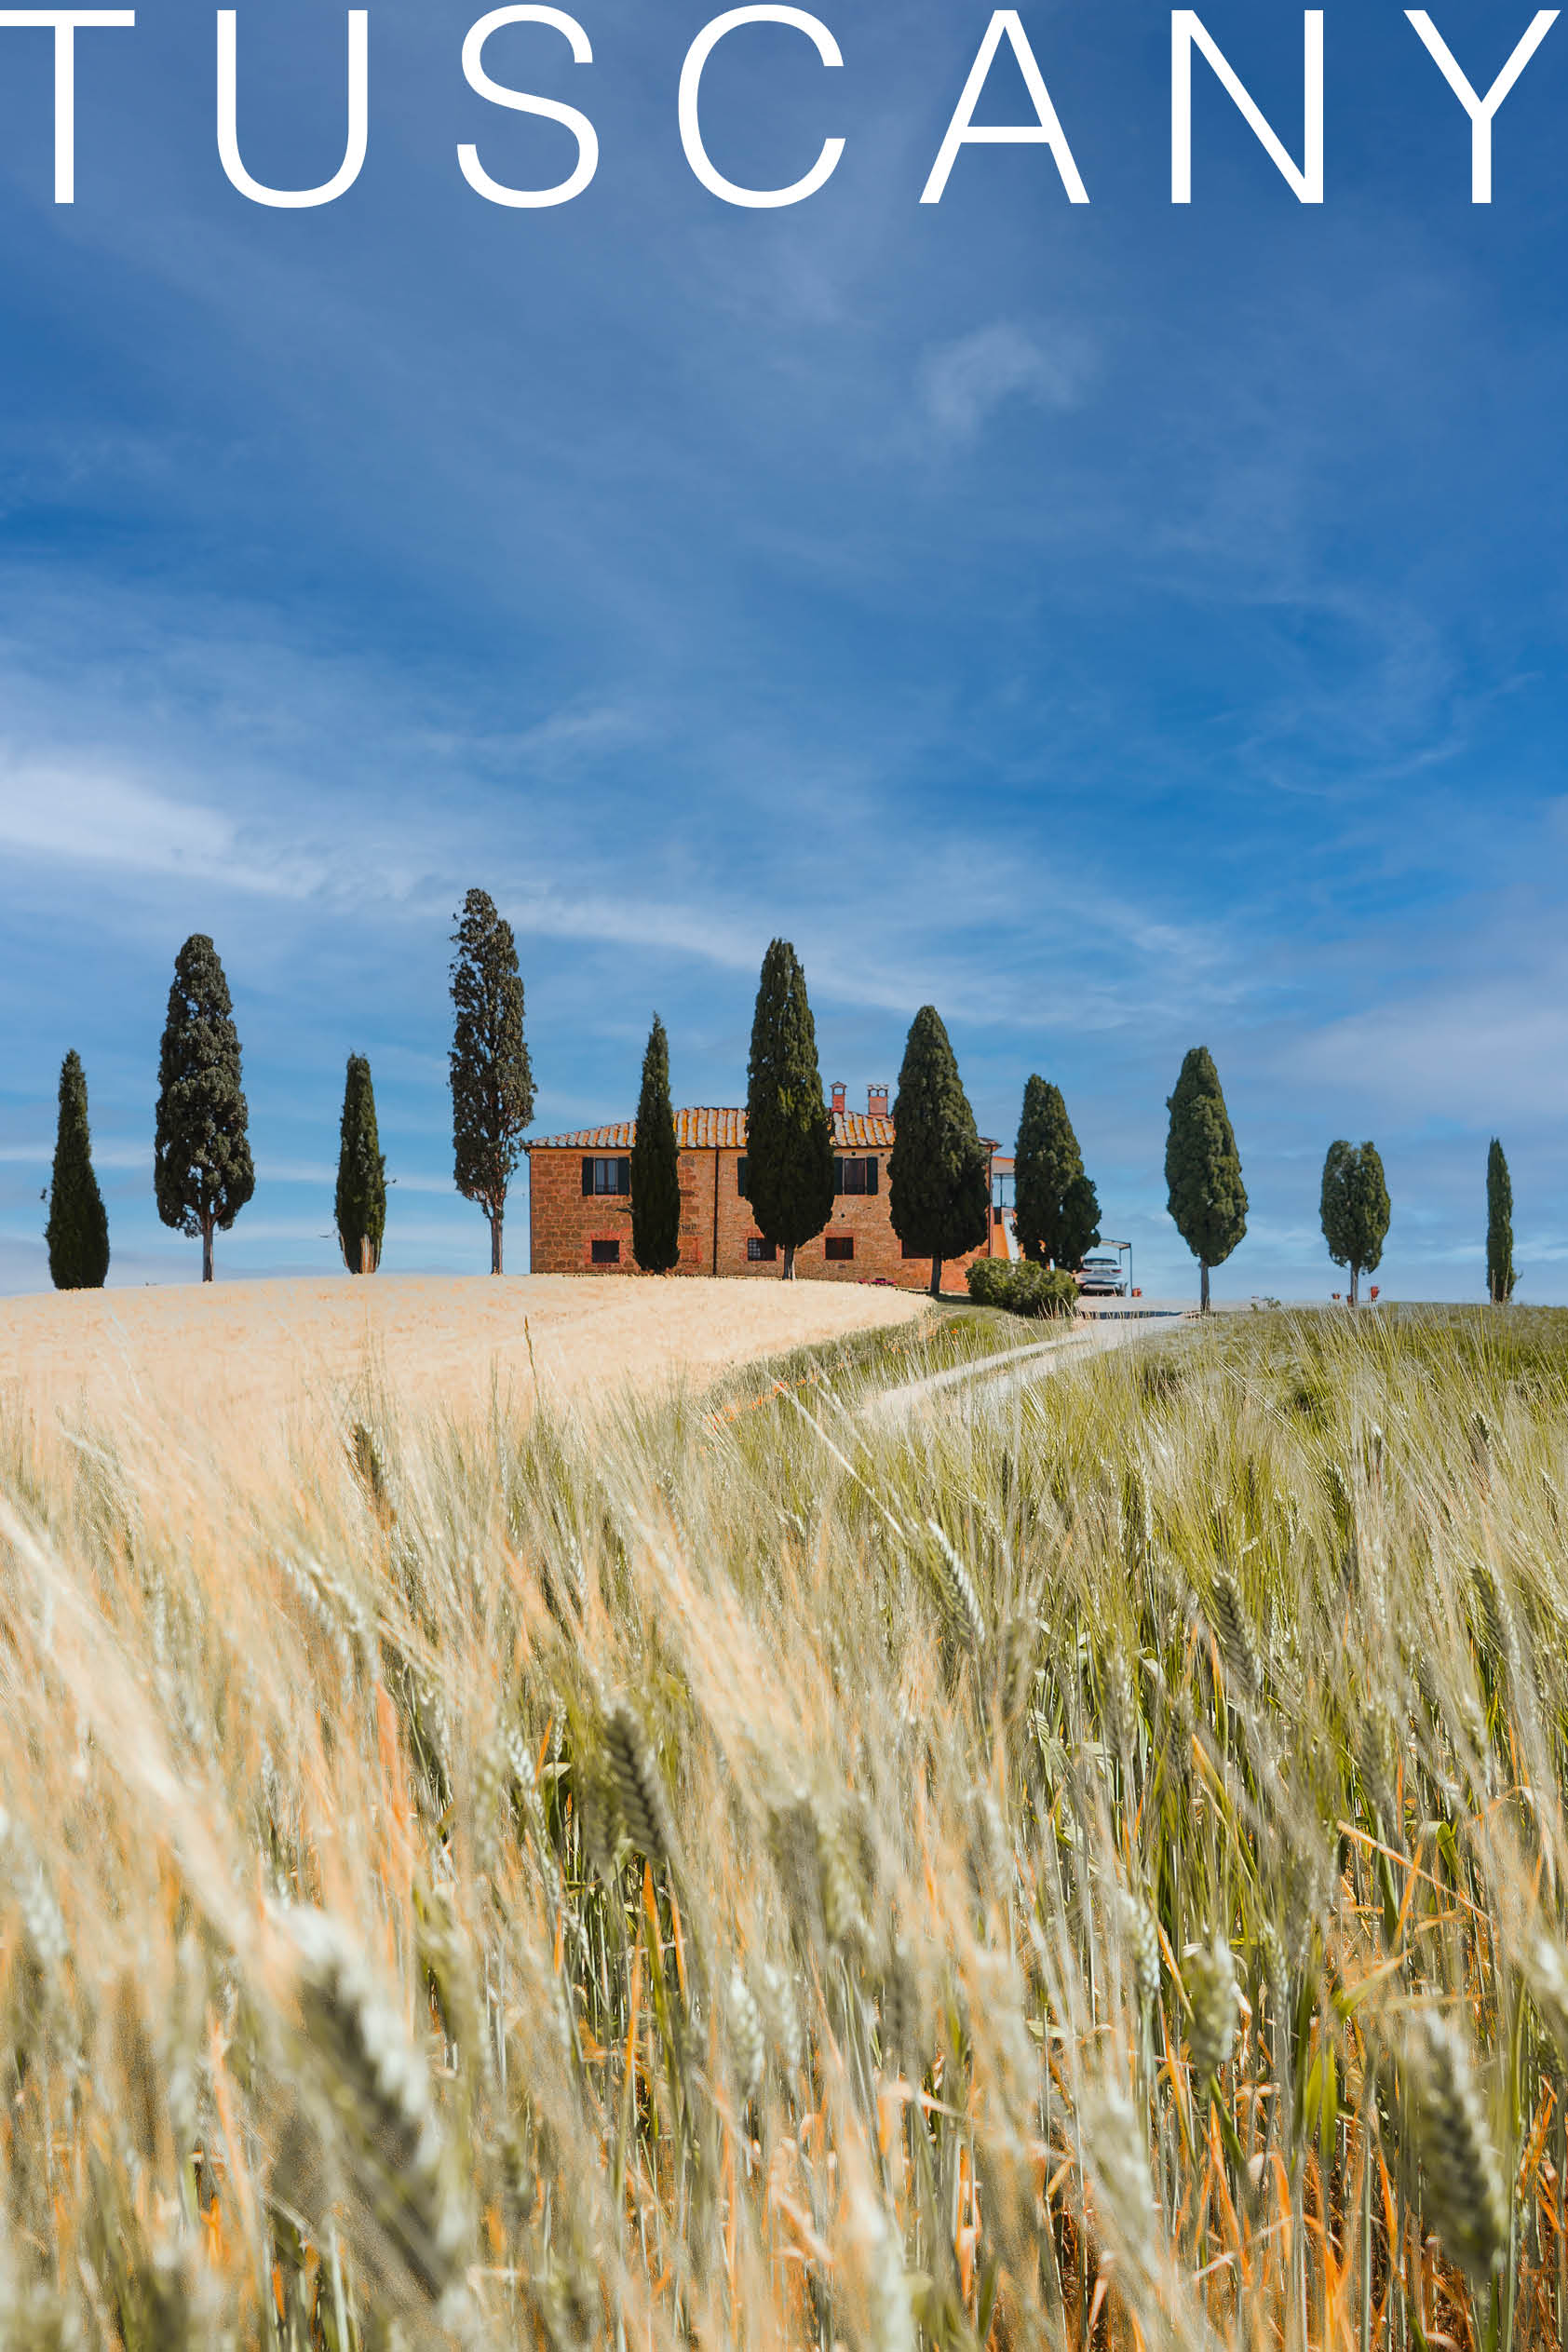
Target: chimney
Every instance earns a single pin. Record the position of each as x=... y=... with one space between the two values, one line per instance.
x=838 y=1098
x=876 y=1102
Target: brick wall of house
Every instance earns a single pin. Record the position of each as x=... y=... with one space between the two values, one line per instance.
x=697 y=1211
x=564 y=1223
x=859 y=1218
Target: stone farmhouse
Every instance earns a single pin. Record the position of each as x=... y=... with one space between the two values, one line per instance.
x=579 y=1203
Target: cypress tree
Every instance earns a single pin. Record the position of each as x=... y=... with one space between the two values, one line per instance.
x=1080 y=1223
x=1207 y=1198
x=1500 y=1273
x=939 y=1174
x=492 y=1079
x=789 y=1131
x=1057 y=1210
x=655 y=1165
x=361 y=1194
x=1355 y=1210
x=202 y=1171
x=77 y=1230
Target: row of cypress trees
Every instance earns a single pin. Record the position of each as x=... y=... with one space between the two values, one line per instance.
x=938 y=1173
x=1208 y=1199
x=1355 y=1214
x=203 y=1173
x=1057 y=1210
x=938 y=1193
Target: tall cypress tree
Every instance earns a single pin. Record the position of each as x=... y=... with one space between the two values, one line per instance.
x=938 y=1180
x=1056 y=1210
x=1500 y=1273
x=491 y=1078
x=77 y=1230
x=361 y=1194
x=789 y=1131
x=1355 y=1210
x=202 y=1171
x=1207 y=1198
x=655 y=1165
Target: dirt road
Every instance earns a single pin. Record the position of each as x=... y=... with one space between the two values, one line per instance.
x=986 y=1381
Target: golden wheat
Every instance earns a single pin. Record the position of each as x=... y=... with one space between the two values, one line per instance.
x=1083 y=1866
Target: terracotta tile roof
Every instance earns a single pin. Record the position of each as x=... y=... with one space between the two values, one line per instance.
x=696 y=1130
x=863 y=1130
x=709 y=1131
x=616 y=1138
x=707 y=1128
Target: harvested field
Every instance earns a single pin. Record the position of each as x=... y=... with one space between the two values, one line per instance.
x=252 y=1354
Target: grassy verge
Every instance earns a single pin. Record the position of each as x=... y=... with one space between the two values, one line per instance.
x=1086 y=1869
x=949 y=1334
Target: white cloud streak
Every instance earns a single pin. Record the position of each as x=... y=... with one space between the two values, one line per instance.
x=964 y=383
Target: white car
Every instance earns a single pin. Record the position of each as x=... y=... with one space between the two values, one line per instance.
x=1102 y=1274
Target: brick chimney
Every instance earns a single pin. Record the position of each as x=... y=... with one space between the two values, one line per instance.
x=838 y=1098
x=876 y=1102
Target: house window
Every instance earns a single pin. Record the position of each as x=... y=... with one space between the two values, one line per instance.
x=606 y=1253
x=740 y=1175
x=842 y=1245
x=761 y=1253
x=855 y=1175
x=606 y=1175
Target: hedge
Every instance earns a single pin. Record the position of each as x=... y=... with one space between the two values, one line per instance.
x=1020 y=1288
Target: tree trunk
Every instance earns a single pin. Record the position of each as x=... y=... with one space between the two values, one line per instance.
x=1203 y=1285
x=496 y=1216
x=789 y=1273
x=367 y=1262
x=207 y=1253
x=1354 y=1284
x=936 y=1278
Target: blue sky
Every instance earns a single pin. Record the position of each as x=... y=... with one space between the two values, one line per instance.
x=1123 y=625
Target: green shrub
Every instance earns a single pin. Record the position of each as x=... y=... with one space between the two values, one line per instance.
x=1023 y=1289
x=984 y=1278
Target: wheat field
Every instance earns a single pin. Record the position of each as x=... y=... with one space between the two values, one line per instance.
x=263 y=1356
x=1085 y=1867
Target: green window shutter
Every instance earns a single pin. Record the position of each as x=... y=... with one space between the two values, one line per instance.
x=587 y=1174
x=871 y=1175
x=623 y=1176
x=740 y=1176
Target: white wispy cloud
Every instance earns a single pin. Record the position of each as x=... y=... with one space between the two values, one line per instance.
x=41 y=1155
x=89 y=814
x=416 y=807
x=325 y=1174
x=63 y=813
x=963 y=383
x=1499 y=1048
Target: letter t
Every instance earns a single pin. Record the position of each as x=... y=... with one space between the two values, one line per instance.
x=66 y=22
